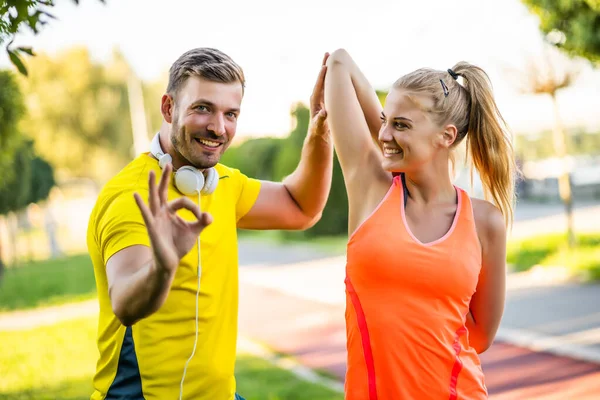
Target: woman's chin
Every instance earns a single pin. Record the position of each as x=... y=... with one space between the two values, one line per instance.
x=393 y=166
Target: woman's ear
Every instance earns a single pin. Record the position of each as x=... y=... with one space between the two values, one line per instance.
x=449 y=135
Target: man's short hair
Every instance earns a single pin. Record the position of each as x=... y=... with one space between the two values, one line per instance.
x=204 y=62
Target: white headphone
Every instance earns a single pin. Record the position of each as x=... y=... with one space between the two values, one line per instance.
x=188 y=180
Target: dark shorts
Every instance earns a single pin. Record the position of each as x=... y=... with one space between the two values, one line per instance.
x=238 y=397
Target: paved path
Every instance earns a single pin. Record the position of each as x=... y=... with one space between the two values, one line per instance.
x=541 y=310
x=314 y=333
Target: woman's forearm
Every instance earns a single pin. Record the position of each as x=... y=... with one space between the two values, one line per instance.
x=366 y=95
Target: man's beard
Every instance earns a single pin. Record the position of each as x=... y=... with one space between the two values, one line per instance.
x=178 y=138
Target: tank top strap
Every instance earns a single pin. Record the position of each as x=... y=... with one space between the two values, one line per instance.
x=466 y=226
x=466 y=204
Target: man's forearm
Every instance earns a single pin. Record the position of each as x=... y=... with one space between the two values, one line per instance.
x=310 y=183
x=140 y=294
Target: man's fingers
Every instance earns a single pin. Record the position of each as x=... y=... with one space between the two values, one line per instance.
x=181 y=202
x=185 y=202
x=204 y=220
x=325 y=57
x=317 y=93
x=163 y=187
x=146 y=214
x=320 y=119
x=316 y=99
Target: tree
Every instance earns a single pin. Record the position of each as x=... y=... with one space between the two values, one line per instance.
x=16 y=192
x=334 y=220
x=255 y=157
x=31 y=184
x=42 y=179
x=18 y=14
x=288 y=155
x=547 y=76
x=573 y=25
x=78 y=113
x=381 y=95
x=11 y=112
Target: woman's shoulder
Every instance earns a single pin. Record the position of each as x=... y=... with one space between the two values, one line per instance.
x=489 y=220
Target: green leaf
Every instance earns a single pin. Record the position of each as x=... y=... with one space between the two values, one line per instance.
x=578 y=20
x=27 y=50
x=17 y=62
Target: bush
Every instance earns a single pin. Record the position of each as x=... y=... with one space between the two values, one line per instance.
x=582 y=261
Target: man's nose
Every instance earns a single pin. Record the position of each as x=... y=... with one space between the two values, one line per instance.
x=217 y=125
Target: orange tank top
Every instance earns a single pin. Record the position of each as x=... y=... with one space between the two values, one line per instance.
x=406 y=307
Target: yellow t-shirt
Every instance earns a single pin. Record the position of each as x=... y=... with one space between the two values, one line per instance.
x=147 y=360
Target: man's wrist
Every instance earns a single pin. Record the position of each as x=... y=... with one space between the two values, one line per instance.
x=321 y=132
x=161 y=273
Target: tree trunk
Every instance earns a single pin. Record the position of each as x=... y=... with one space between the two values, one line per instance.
x=13 y=229
x=30 y=254
x=50 y=225
x=564 y=181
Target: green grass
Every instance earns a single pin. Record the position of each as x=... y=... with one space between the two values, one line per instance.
x=583 y=262
x=50 y=282
x=552 y=250
x=57 y=362
x=257 y=379
x=52 y=362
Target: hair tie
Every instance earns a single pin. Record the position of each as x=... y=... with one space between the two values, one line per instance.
x=453 y=74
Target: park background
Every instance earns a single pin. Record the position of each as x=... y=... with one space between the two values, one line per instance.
x=79 y=98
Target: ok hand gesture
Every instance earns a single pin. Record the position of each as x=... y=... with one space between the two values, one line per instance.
x=171 y=236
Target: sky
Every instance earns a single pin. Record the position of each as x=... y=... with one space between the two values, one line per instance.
x=280 y=44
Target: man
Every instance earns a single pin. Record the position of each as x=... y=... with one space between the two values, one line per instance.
x=168 y=307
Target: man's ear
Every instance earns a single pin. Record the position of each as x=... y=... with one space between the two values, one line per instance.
x=166 y=107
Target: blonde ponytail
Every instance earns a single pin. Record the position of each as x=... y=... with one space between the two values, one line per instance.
x=489 y=143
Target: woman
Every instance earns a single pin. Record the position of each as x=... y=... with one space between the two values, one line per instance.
x=425 y=274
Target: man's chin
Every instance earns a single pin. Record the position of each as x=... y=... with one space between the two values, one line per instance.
x=206 y=163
